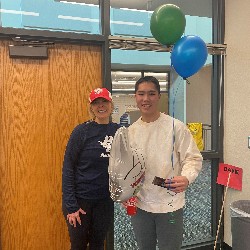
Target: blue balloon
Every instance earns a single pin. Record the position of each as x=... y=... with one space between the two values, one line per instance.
x=188 y=56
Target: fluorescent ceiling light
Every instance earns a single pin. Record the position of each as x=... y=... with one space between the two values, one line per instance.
x=127 y=23
x=91 y=20
x=79 y=2
x=136 y=10
x=82 y=19
x=18 y=12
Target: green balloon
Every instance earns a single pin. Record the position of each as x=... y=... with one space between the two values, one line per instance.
x=167 y=24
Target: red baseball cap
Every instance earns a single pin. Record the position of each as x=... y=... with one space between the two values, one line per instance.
x=100 y=92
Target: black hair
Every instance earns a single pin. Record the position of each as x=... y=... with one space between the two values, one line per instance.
x=148 y=79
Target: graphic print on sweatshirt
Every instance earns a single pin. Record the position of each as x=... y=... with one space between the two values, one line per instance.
x=107 y=145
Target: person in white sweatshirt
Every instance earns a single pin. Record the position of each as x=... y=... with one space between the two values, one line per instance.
x=171 y=154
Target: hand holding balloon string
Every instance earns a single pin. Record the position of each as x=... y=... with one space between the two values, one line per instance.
x=177 y=184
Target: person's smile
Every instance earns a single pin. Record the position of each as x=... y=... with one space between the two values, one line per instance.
x=102 y=110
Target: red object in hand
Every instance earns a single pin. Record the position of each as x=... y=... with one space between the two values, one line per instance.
x=131 y=207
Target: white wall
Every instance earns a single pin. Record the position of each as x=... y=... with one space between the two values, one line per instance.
x=198 y=100
x=237 y=100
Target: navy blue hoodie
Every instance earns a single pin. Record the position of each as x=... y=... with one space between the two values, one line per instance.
x=85 y=166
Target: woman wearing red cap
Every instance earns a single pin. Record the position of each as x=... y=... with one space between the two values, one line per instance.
x=87 y=206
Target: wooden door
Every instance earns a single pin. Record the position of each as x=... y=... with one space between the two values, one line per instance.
x=41 y=101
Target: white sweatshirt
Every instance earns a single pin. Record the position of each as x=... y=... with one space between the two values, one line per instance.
x=156 y=139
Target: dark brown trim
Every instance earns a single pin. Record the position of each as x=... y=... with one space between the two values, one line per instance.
x=47 y=35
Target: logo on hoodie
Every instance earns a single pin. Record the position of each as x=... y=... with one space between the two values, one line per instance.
x=107 y=145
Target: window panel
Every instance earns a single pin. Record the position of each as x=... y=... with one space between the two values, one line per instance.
x=79 y=16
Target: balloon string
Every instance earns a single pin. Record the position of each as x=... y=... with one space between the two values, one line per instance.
x=173 y=115
x=187 y=80
x=172 y=220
